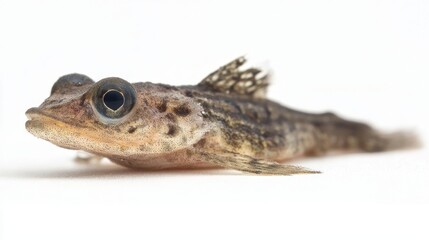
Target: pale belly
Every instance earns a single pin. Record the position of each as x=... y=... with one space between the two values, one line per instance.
x=175 y=160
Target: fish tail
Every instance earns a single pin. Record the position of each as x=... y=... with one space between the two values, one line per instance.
x=399 y=140
x=340 y=134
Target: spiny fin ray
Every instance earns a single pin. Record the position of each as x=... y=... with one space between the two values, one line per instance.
x=230 y=79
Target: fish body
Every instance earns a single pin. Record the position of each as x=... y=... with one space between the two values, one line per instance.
x=224 y=121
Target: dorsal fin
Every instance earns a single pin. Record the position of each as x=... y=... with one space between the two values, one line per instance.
x=230 y=79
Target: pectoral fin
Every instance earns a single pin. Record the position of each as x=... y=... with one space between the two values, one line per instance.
x=251 y=165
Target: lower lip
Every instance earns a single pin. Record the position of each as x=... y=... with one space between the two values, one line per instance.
x=34 y=121
x=34 y=124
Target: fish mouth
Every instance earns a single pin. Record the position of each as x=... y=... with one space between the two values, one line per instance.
x=71 y=135
x=38 y=121
x=50 y=128
x=34 y=115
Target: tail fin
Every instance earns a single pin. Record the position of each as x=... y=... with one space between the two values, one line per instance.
x=400 y=140
x=341 y=134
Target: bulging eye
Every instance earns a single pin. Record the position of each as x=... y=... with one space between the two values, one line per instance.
x=69 y=81
x=113 y=97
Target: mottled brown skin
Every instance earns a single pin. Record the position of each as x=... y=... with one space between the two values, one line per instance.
x=224 y=121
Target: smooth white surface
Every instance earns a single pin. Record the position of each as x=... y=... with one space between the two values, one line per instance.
x=366 y=60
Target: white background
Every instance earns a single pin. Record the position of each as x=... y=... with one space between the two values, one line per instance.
x=366 y=60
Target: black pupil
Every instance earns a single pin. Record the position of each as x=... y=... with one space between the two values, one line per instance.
x=113 y=100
